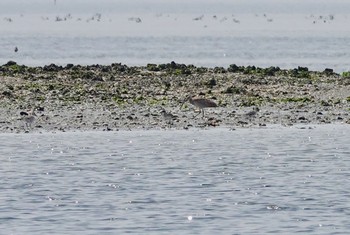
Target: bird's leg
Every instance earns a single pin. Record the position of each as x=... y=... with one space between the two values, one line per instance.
x=196 y=115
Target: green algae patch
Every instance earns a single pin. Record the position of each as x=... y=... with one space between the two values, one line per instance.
x=120 y=101
x=252 y=101
x=296 y=99
x=345 y=74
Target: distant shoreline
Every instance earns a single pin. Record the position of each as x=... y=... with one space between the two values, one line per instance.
x=246 y=69
x=116 y=97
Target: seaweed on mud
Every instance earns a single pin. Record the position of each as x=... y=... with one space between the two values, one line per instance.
x=253 y=100
x=235 y=90
x=345 y=74
x=296 y=99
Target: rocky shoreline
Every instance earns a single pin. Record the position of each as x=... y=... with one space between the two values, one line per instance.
x=117 y=97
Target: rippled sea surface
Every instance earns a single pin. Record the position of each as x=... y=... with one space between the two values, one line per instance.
x=288 y=33
x=277 y=180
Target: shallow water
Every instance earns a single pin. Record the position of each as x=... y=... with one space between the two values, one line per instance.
x=204 y=33
x=275 y=180
x=317 y=53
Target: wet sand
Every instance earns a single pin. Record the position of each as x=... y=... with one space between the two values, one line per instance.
x=119 y=97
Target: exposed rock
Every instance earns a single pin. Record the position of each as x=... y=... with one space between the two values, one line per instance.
x=114 y=97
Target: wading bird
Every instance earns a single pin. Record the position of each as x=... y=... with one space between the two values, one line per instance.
x=28 y=118
x=168 y=117
x=252 y=114
x=200 y=103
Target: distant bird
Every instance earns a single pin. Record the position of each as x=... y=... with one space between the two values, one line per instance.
x=200 y=103
x=252 y=113
x=168 y=117
x=136 y=19
x=28 y=118
x=199 y=17
x=16 y=49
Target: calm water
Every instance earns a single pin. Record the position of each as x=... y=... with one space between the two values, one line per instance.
x=276 y=180
x=288 y=33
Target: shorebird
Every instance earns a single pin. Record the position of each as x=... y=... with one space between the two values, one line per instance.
x=168 y=117
x=200 y=103
x=16 y=49
x=28 y=117
x=250 y=115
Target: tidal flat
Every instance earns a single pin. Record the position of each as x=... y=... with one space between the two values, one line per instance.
x=120 y=97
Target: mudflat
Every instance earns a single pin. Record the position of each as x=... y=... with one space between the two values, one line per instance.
x=115 y=97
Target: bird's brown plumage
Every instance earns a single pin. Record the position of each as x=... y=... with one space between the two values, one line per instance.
x=200 y=103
